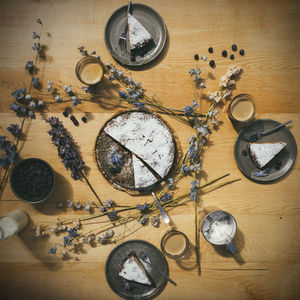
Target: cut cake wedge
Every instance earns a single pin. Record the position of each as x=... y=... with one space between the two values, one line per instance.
x=138 y=35
x=133 y=270
x=263 y=153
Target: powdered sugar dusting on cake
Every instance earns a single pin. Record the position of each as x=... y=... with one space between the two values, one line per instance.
x=147 y=137
x=262 y=153
x=138 y=34
x=143 y=178
x=133 y=270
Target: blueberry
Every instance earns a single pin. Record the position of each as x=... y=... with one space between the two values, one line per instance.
x=224 y=53
x=244 y=152
x=84 y=119
x=212 y=63
x=210 y=50
x=242 y=52
x=196 y=57
x=65 y=113
x=74 y=120
x=234 y=47
x=232 y=57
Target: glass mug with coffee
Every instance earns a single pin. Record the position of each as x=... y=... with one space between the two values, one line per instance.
x=175 y=244
x=89 y=70
x=242 y=109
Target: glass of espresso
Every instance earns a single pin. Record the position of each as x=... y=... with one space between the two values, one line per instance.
x=89 y=70
x=242 y=109
x=174 y=244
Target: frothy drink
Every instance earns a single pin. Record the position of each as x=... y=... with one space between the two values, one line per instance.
x=91 y=73
x=241 y=108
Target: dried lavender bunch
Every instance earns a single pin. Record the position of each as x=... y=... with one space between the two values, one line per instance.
x=65 y=148
x=10 y=155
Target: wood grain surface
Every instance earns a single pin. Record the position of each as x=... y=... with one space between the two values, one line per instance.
x=268 y=216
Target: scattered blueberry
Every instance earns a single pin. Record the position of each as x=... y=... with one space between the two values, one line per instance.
x=196 y=57
x=244 y=152
x=278 y=164
x=212 y=63
x=224 y=53
x=74 y=120
x=65 y=113
x=242 y=52
x=210 y=50
x=84 y=119
x=234 y=47
x=231 y=57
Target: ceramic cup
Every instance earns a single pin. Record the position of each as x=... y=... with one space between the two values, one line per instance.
x=219 y=228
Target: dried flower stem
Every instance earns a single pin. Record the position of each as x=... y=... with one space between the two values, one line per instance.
x=7 y=171
x=90 y=186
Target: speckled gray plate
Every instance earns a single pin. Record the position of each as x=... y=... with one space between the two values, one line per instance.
x=140 y=291
x=150 y=19
x=287 y=155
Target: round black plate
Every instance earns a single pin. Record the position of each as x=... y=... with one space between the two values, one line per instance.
x=287 y=155
x=150 y=19
x=140 y=291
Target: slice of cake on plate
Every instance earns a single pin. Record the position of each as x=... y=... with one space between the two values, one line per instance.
x=138 y=35
x=263 y=153
x=133 y=270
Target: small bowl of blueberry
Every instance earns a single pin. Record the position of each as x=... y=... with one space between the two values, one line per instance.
x=32 y=180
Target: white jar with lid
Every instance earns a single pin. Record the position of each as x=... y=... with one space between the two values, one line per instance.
x=12 y=223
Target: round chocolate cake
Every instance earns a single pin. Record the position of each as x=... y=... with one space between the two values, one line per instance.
x=135 y=150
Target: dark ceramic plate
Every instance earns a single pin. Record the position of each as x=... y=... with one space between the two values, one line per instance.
x=287 y=155
x=150 y=19
x=139 y=291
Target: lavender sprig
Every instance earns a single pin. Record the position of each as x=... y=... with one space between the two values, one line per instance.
x=65 y=148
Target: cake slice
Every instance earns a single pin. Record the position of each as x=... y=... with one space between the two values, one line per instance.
x=133 y=270
x=137 y=34
x=263 y=153
x=143 y=178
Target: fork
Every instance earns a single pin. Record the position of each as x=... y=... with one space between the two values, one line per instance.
x=123 y=36
x=145 y=258
x=256 y=136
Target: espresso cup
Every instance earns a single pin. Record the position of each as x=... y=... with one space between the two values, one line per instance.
x=219 y=228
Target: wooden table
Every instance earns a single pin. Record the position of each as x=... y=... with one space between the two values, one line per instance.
x=268 y=220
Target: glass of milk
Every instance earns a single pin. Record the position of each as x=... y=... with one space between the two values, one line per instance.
x=219 y=228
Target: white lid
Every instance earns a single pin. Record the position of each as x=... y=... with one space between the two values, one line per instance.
x=1 y=234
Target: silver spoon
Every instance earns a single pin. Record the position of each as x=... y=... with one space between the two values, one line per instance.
x=145 y=258
x=256 y=136
x=162 y=211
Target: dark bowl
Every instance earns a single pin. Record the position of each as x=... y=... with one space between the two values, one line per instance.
x=32 y=180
